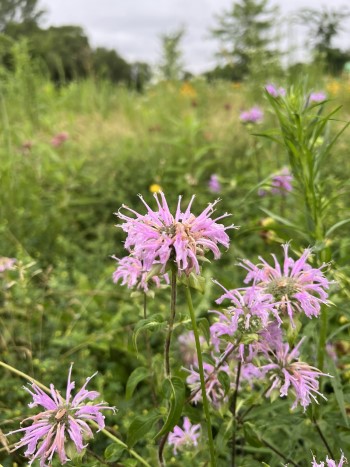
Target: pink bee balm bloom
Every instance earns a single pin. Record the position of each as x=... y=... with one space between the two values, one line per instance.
x=281 y=183
x=295 y=287
x=316 y=97
x=59 y=139
x=254 y=115
x=7 y=264
x=290 y=374
x=214 y=390
x=63 y=418
x=330 y=462
x=214 y=184
x=184 y=437
x=274 y=92
x=158 y=237
x=131 y=272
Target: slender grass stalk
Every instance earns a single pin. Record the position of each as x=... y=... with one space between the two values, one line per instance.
x=279 y=453
x=324 y=441
x=201 y=376
x=233 y=411
x=103 y=430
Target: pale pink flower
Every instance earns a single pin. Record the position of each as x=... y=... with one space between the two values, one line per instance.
x=62 y=419
x=253 y=115
x=213 y=388
x=184 y=437
x=132 y=273
x=287 y=373
x=330 y=462
x=316 y=97
x=295 y=287
x=158 y=237
x=59 y=139
x=275 y=92
x=214 y=184
x=281 y=183
x=7 y=264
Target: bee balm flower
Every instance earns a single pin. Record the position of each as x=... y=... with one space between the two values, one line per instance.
x=159 y=237
x=62 y=418
x=186 y=436
x=330 y=462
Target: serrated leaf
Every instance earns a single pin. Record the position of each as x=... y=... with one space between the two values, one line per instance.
x=177 y=400
x=138 y=375
x=113 y=452
x=208 y=359
x=251 y=436
x=141 y=426
x=225 y=381
x=338 y=389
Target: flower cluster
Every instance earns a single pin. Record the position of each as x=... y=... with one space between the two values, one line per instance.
x=214 y=184
x=59 y=139
x=186 y=436
x=159 y=238
x=62 y=418
x=7 y=264
x=275 y=92
x=252 y=116
x=330 y=462
x=316 y=97
x=281 y=184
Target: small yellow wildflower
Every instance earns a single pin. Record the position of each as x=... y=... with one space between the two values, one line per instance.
x=155 y=188
x=188 y=90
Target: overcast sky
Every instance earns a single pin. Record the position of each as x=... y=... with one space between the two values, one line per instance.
x=132 y=27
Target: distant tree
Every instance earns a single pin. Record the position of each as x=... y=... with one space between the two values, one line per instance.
x=141 y=74
x=244 y=32
x=171 y=66
x=323 y=27
x=109 y=65
x=19 y=11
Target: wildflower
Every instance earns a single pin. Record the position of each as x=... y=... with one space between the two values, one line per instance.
x=330 y=462
x=213 y=388
x=131 y=272
x=274 y=92
x=59 y=139
x=188 y=90
x=61 y=418
x=186 y=436
x=281 y=183
x=6 y=264
x=158 y=237
x=295 y=287
x=155 y=188
x=317 y=97
x=214 y=184
x=288 y=374
x=254 y=115
x=248 y=313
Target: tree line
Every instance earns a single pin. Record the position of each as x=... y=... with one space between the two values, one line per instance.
x=245 y=33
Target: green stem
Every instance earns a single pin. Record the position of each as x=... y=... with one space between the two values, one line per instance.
x=103 y=430
x=323 y=337
x=171 y=324
x=324 y=441
x=233 y=410
x=201 y=375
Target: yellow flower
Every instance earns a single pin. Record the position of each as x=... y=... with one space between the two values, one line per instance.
x=333 y=87
x=155 y=188
x=188 y=90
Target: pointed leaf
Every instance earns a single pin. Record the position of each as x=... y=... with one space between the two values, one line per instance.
x=177 y=399
x=138 y=375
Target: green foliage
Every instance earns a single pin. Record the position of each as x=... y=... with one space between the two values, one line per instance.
x=171 y=66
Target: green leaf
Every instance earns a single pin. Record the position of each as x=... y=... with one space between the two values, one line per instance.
x=154 y=322
x=251 y=436
x=196 y=282
x=141 y=426
x=113 y=452
x=338 y=390
x=176 y=388
x=286 y=222
x=336 y=226
x=138 y=375
x=225 y=381
x=203 y=326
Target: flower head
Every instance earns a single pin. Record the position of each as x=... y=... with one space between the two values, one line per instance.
x=59 y=139
x=214 y=184
x=186 y=436
x=274 y=92
x=281 y=183
x=62 y=418
x=6 y=264
x=316 y=97
x=254 y=115
x=290 y=374
x=295 y=287
x=132 y=273
x=330 y=462
x=159 y=237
